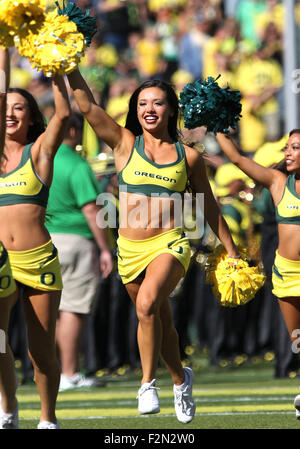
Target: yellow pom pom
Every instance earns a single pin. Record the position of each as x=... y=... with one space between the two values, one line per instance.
x=6 y=39
x=18 y=18
x=233 y=281
x=58 y=47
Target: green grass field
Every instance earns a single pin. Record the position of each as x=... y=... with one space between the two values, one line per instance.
x=233 y=397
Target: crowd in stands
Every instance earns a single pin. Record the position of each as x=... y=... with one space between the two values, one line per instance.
x=181 y=41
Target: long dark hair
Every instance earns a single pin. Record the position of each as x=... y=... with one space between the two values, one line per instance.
x=36 y=116
x=132 y=122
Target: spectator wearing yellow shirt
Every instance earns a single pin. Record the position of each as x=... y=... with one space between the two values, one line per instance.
x=274 y=14
x=259 y=79
x=273 y=43
x=223 y=68
x=119 y=96
x=227 y=32
x=148 y=53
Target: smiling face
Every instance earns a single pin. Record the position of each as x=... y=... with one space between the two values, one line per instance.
x=292 y=153
x=18 y=117
x=153 y=110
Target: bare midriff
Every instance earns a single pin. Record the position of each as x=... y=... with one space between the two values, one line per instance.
x=142 y=217
x=289 y=241
x=22 y=227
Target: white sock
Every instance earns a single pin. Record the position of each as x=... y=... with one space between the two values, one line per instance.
x=185 y=383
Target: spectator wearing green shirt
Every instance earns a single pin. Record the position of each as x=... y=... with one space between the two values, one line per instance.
x=246 y=14
x=83 y=249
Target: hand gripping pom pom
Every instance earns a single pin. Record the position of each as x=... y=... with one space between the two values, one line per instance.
x=84 y=22
x=205 y=103
x=233 y=281
x=18 y=18
x=58 y=47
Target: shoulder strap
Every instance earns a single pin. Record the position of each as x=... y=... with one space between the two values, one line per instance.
x=180 y=150
x=26 y=153
x=139 y=144
x=291 y=184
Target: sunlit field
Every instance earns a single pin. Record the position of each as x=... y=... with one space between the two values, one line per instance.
x=236 y=396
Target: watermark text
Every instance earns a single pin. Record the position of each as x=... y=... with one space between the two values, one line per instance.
x=2 y=342
x=296 y=341
x=153 y=211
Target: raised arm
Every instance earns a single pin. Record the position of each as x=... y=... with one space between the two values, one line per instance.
x=4 y=84
x=104 y=126
x=55 y=131
x=263 y=175
x=200 y=184
x=46 y=146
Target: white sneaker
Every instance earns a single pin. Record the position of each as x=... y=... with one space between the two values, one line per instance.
x=148 y=398
x=9 y=420
x=297 y=406
x=183 y=399
x=48 y=425
x=78 y=381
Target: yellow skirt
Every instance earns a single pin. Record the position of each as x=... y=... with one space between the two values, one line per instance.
x=285 y=277
x=38 y=268
x=135 y=255
x=7 y=282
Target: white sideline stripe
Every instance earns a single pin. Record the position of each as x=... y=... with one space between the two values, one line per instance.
x=200 y=400
x=166 y=416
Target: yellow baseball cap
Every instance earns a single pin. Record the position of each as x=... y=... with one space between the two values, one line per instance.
x=227 y=173
x=182 y=76
x=271 y=152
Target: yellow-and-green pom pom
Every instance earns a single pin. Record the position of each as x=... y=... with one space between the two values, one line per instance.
x=57 y=48
x=233 y=281
x=18 y=18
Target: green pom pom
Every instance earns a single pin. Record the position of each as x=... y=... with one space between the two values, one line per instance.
x=84 y=22
x=205 y=103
